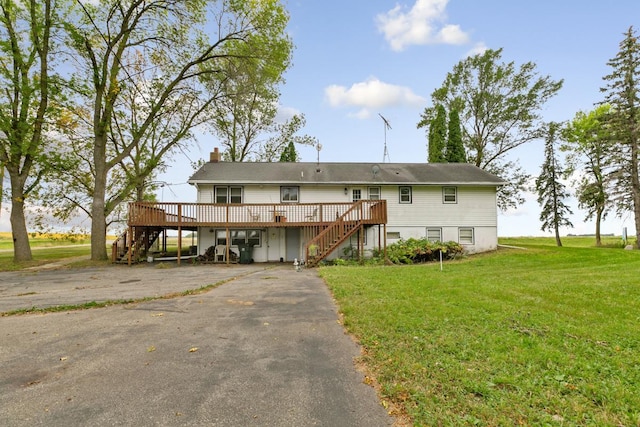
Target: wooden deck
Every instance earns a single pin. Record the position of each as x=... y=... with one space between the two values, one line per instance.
x=325 y=224
x=192 y=215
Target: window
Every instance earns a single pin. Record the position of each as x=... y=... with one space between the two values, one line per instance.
x=449 y=195
x=393 y=234
x=356 y=194
x=405 y=194
x=434 y=234
x=221 y=237
x=239 y=237
x=353 y=240
x=228 y=195
x=465 y=235
x=253 y=237
x=374 y=193
x=289 y=194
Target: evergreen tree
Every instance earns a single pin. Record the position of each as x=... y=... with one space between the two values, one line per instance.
x=551 y=192
x=621 y=92
x=455 y=147
x=289 y=154
x=437 y=136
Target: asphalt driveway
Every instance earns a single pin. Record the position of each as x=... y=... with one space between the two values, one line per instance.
x=265 y=348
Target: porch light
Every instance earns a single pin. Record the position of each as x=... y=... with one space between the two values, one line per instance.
x=346 y=191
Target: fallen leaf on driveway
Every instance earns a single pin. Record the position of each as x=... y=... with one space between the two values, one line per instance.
x=157 y=315
x=151 y=348
x=193 y=349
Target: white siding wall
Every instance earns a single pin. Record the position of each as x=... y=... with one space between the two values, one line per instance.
x=475 y=207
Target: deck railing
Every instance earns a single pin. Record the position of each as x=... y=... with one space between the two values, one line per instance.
x=172 y=214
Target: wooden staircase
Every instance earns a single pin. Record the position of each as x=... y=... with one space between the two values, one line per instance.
x=143 y=239
x=330 y=238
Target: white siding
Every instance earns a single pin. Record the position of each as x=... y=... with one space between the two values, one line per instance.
x=475 y=207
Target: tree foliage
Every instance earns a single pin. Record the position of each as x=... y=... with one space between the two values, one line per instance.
x=499 y=106
x=284 y=136
x=438 y=136
x=191 y=50
x=551 y=191
x=455 y=147
x=588 y=144
x=622 y=93
x=27 y=29
x=289 y=154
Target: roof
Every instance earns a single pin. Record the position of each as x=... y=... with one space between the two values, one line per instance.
x=343 y=173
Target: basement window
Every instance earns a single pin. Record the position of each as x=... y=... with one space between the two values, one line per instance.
x=465 y=236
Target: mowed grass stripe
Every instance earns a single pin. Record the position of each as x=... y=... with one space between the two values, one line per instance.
x=541 y=336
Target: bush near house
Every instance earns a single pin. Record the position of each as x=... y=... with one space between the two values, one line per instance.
x=416 y=251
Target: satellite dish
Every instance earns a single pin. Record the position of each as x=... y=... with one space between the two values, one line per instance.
x=375 y=169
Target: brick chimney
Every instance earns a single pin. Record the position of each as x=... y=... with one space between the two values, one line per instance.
x=215 y=156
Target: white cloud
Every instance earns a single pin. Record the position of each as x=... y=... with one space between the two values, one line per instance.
x=371 y=94
x=478 y=49
x=423 y=24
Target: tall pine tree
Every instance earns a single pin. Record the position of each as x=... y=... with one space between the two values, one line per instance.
x=551 y=192
x=438 y=136
x=621 y=92
x=289 y=154
x=455 y=149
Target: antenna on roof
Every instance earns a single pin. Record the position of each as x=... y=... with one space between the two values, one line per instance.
x=385 y=155
x=318 y=147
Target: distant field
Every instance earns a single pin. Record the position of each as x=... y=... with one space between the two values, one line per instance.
x=568 y=241
x=540 y=336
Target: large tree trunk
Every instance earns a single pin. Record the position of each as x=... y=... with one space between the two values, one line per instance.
x=598 y=221
x=98 y=215
x=21 y=247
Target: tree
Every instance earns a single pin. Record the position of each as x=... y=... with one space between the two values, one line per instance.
x=499 y=107
x=589 y=146
x=25 y=52
x=438 y=136
x=455 y=148
x=283 y=135
x=622 y=93
x=289 y=154
x=551 y=192
x=190 y=64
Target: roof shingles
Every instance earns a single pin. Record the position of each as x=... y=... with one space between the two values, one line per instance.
x=344 y=173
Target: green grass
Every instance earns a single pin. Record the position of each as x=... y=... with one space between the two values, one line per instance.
x=543 y=336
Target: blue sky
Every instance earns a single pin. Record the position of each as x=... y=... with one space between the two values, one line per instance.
x=356 y=59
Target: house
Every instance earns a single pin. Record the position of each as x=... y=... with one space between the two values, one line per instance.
x=313 y=211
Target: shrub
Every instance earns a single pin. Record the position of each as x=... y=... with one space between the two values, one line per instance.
x=414 y=251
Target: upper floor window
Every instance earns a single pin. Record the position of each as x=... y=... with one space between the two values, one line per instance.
x=356 y=194
x=405 y=194
x=374 y=193
x=289 y=194
x=225 y=194
x=449 y=195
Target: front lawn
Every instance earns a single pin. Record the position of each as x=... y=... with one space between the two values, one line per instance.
x=542 y=336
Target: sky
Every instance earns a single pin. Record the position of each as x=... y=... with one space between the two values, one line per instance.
x=355 y=60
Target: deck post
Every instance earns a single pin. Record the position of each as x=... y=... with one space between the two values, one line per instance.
x=179 y=232
x=129 y=244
